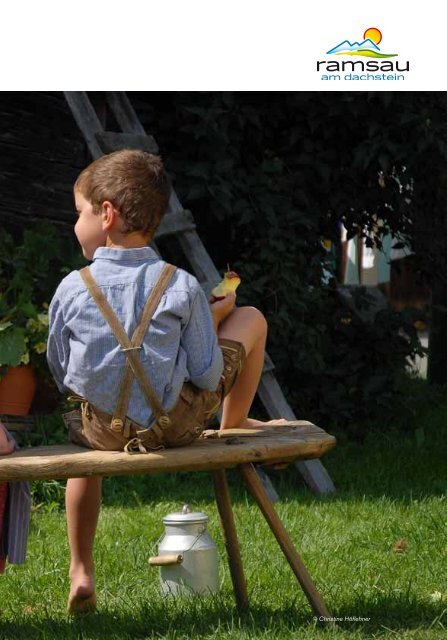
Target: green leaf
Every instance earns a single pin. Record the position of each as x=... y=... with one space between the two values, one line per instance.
x=12 y=347
x=27 y=308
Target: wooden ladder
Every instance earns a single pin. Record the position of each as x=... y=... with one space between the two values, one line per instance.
x=180 y=223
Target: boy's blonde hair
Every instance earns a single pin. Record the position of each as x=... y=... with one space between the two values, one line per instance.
x=134 y=182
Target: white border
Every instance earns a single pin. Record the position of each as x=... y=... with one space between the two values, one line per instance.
x=238 y=45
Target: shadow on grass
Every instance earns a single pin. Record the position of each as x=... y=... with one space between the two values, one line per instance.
x=181 y=487
x=194 y=620
x=389 y=613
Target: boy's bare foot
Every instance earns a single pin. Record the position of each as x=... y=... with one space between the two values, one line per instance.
x=80 y=604
x=82 y=598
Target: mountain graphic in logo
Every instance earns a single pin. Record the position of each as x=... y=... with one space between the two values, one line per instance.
x=368 y=48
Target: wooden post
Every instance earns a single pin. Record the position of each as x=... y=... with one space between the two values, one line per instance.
x=257 y=491
x=223 y=502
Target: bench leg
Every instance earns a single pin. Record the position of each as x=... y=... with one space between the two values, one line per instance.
x=223 y=502
x=257 y=491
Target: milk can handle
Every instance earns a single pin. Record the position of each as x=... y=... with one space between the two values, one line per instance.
x=163 y=535
x=169 y=558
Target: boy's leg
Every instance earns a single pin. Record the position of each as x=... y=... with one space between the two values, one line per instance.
x=82 y=501
x=246 y=325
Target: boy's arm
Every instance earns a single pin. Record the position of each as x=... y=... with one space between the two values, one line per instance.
x=58 y=346
x=199 y=340
x=221 y=309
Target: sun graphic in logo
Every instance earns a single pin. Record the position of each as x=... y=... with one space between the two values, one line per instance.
x=373 y=34
x=368 y=48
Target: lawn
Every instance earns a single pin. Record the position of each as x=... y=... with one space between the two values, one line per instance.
x=376 y=550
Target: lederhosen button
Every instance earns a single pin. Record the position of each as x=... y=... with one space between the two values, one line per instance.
x=116 y=425
x=164 y=421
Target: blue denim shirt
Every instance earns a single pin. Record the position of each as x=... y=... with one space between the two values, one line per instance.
x=180 y=345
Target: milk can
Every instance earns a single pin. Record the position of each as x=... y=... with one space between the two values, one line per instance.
x=187 y=555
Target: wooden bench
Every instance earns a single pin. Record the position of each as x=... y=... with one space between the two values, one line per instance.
x=272 y=447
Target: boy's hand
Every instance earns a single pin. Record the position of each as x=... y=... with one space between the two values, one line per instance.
x=220 y=309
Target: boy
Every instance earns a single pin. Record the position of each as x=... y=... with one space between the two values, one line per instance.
x=192 y=353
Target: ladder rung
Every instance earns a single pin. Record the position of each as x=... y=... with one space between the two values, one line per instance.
x=173 y=223
x=113 y=141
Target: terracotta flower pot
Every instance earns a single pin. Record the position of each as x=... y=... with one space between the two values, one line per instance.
x=17 y=390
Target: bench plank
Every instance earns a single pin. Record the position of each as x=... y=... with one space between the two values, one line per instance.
x=278 y=444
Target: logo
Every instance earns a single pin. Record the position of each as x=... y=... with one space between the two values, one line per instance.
x=380 y=66
x=368 y=48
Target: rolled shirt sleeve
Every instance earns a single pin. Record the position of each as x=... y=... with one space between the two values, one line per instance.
x=58 y=346
x=199 y=340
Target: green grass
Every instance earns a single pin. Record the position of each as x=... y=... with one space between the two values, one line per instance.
x=390 y=487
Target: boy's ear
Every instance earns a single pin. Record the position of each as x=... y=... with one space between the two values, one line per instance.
x=109 y=215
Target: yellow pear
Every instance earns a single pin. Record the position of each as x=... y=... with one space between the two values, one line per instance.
x=229 y=284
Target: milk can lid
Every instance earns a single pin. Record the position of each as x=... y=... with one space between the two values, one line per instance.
x=185 y=516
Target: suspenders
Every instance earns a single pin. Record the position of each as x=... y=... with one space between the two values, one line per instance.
x=131 y=346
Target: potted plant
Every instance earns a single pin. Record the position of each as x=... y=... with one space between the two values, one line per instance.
x=32 y=263
x=23 y=336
